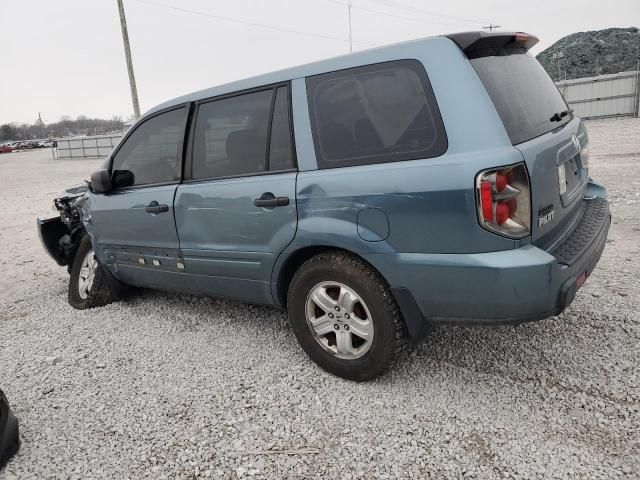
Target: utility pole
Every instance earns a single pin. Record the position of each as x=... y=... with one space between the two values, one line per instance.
x=127 y=53
x=558 y=56
x=350 y=38
x=491 y=27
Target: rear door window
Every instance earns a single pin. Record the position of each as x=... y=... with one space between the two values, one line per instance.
x=523 y=93
x=373 y=114
x=231 y=136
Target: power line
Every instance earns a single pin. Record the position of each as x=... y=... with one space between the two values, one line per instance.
x=253 y=24
x=427 y=12
x=412 y=19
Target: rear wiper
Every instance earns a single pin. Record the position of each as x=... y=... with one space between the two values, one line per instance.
x=556 y=117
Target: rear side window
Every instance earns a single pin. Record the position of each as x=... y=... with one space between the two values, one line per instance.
x=522 y=92
x=150 y=154
x=231 y=136
x=373 y=114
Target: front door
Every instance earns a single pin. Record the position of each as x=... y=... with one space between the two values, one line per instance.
x=134 y=224
x=236 y=211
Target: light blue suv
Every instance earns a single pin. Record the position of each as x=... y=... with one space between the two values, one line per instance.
x=439 y=181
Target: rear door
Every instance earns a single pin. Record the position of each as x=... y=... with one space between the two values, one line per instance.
x=134 y=224
x=540 y=125
x=236 y=211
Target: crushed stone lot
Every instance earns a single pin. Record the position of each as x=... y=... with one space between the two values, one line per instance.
x=176 y=386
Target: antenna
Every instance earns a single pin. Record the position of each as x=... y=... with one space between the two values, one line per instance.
x=491 y=27
x=350 y=37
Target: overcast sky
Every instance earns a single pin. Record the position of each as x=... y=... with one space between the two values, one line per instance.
x=65 y=57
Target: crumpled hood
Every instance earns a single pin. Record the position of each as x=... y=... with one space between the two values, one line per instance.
x=75 y=191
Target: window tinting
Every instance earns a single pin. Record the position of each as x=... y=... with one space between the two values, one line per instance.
x=280 y=151
x=373 y=114
x=150 y=154
x=522 y=92
x=231 y=136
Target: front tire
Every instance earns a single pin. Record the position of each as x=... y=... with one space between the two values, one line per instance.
x=90 y=284
x=344 y=316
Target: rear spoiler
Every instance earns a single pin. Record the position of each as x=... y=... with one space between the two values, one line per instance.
x=471 y=42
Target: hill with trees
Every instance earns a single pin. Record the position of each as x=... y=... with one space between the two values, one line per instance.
x=586 y=54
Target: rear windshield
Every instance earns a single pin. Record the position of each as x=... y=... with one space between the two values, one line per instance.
x=524 y=95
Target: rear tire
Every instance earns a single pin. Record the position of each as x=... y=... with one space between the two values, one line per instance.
x=344 y=316
x=90 y=284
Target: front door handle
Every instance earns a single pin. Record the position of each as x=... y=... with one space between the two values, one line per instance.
x=155 y=207
x=269 y=200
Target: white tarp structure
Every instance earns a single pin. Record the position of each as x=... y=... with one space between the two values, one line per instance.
x=87 y=147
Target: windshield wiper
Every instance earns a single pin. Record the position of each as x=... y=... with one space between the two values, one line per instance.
x=556 y=117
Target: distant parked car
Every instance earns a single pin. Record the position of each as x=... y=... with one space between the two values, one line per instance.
x=6 y=148
x=45 y=144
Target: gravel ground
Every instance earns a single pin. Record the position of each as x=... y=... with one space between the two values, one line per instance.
x=174 y=386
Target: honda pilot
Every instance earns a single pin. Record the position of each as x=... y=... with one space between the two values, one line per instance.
x=442 y=181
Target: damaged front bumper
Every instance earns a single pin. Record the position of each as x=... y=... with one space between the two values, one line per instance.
x=9 y=436
x=58 y=242
x=61 y=235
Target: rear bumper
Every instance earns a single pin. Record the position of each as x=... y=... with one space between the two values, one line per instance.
x=505 y=287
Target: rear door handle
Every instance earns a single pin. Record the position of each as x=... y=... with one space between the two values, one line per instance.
x=155 y=207
x=269 y=200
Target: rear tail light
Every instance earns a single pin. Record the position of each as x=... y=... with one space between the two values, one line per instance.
x=504 y=204
x=584 y=158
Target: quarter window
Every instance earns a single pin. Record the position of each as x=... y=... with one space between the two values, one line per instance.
x=150 y=155
x=377 y=113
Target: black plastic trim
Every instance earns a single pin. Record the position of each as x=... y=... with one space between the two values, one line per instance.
x=417 y=325
x=581 y=238
x=50 y=231
x=9 y=431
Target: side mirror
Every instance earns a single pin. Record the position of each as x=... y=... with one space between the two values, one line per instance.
x=123 y=178
x=101 y=181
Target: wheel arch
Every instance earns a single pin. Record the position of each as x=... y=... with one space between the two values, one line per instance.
x=417 y=326
x=296 y=258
